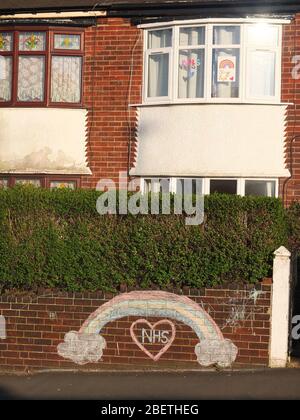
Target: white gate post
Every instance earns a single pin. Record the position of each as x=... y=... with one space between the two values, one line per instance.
x=2 y=328
x=280 y=308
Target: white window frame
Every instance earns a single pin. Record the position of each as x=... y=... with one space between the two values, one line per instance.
x=151 y=51
x=278 y=54
x=176 y=51
x=241 y=182
x=244 y=48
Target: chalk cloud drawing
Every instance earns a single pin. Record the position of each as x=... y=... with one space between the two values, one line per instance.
x=153 y=327
x=220 y=352
x=82 y=347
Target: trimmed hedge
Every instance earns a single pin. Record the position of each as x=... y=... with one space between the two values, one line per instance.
x=56 y=239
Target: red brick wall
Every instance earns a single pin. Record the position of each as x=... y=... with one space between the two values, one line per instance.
x=112 y=79
x=36 y=324
x=291 y=94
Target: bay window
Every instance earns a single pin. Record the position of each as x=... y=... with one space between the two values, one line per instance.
x=41 y=67
x=207 y=62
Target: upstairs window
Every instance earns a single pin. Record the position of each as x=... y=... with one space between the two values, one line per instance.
x=213 y=63
x=41 y=67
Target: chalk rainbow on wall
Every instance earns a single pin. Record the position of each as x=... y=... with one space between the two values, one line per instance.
x=154 y=304
x=212 y=349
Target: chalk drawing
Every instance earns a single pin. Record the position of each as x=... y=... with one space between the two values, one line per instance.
x=243 y=308
x=81 y=348
x=162 y=336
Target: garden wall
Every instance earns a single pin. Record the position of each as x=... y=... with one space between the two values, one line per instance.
x=139 y=329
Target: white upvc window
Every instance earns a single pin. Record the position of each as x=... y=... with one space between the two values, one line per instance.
x=260 y=187
x=159 y=64
x=213 y=62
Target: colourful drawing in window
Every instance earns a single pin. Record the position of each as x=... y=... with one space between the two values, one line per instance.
x=32 y=41
x=5 y=41
x=63 y=184
x=67 y=42
x=227 y=69
x=190 y=66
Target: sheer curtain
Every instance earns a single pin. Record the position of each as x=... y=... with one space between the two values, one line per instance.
x=191 y=74
x=160 y=39
x=261 y=73
x=159 y=62
x=226 y=35
x=191 y=63
x=31 y=78
x=5 y=78
x=66 y=79
x=158 y=75
x=270 y=189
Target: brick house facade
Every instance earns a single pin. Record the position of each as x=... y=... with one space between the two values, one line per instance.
x=112 y=138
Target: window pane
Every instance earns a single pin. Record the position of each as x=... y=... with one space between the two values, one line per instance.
x=191 y=74
x=5 y=78
x=32 y=41
x=192 y=36
x=63 y=184
x=67 y=42
x=160 y=39
x=28 y=181
x=158 y=75
x=260 y=188
x=31 y=78
x=261 y=73
x=3 y=183
x=66 y=79
x=6 y=41
x=263 y=34
x=189 y=186
x=225 y=73
x=156 y=185
x=227 y=35
x=223 y=186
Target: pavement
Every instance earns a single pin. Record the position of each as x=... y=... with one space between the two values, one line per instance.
x=260 y=384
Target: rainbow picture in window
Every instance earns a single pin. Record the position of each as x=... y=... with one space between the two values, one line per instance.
x=226 y=69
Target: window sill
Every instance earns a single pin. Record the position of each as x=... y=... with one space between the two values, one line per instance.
x=41 y=106
x=164 y=103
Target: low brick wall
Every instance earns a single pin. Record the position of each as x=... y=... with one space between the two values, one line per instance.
x=36 y=327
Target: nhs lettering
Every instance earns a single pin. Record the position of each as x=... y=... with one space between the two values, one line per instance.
x=155 y=336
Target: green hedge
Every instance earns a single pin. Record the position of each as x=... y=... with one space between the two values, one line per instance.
x=56 y=239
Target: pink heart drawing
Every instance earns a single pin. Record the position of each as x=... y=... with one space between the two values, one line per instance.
x=153 y=327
